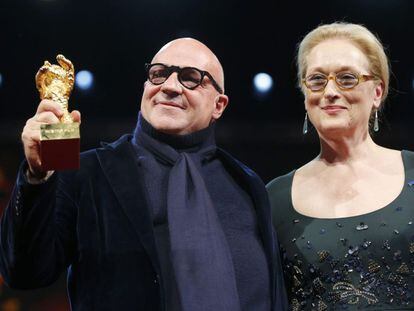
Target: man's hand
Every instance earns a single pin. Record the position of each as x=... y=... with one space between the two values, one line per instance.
x=48 y=112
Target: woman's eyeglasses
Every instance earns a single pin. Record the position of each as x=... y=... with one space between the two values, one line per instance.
x=344 y=80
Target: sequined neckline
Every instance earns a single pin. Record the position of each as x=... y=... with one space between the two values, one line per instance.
x=392 y=203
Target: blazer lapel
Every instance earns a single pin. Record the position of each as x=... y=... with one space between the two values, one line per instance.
x=121 y=167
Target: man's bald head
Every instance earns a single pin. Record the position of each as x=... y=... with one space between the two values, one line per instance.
x=173 y=108
x=189 y=52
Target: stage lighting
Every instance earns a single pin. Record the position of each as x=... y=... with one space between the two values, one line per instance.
x=262 y=82
x=1 y=80
x=84 y=79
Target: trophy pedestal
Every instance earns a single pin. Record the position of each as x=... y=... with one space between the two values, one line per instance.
x=59 y=146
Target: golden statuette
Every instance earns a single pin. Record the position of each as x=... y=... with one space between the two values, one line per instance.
x=56 y=83
x=59 y=142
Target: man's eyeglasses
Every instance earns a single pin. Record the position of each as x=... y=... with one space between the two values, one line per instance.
x=189 y=77
x=345 y=80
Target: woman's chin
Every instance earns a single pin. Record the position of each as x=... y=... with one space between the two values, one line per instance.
x=330 y=128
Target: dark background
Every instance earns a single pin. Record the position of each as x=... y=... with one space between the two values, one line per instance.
x=113 y=39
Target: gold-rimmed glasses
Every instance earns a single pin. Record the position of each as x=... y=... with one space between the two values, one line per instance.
x=345 y=80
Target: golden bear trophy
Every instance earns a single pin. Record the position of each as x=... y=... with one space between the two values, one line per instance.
x=59 y=143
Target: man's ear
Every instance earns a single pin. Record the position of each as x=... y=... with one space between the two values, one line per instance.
x=220 y=103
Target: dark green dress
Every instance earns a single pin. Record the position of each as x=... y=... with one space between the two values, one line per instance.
x=350 y=263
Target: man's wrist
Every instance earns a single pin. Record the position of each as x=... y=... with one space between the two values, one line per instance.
x=36 y=179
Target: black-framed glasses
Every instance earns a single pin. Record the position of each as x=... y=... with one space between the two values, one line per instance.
x=189 y=77
x=345 y=80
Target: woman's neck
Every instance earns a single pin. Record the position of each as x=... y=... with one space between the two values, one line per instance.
x=347 y=149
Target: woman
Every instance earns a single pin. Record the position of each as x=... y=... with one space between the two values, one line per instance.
x=345 y=219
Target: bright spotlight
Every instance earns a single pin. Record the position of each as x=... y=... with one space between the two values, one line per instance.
x=84 y=79
x=262 y=82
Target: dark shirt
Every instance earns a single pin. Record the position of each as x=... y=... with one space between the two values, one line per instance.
x=234 y=208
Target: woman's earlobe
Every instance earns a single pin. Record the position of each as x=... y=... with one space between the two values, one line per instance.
x=379 y=91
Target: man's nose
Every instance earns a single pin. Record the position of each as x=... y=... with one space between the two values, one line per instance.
x=172 y=85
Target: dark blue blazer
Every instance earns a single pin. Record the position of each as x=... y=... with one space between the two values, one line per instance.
x=96 y=223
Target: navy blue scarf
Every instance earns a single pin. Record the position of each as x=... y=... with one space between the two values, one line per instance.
x=200 y=255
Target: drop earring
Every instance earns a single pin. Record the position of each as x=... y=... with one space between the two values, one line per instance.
x=305 y=124
x=376 y=125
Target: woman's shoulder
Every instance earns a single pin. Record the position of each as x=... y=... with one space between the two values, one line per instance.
x=408 y=160
x=408 y=157
x=279 y=189
x=283 y=181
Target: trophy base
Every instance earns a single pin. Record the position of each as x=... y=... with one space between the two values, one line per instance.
x=60 y=146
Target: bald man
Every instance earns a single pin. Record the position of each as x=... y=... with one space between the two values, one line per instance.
x=161 y=219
